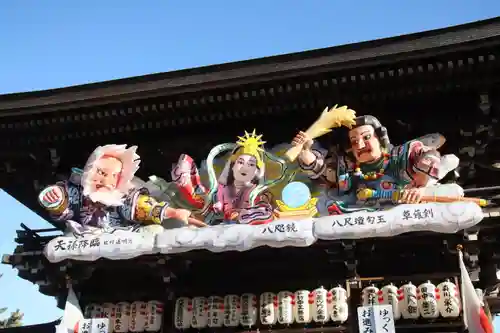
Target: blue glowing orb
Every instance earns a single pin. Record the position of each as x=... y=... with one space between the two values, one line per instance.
x=295 y=194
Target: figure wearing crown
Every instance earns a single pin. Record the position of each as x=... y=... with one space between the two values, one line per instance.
x=240 y=193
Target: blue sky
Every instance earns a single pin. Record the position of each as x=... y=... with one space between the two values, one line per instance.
x=49 y=44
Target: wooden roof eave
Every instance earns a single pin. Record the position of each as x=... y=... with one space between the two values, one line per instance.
x=389 y=50
x=38 y=328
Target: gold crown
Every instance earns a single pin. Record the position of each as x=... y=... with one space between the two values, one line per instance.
x=250 y=144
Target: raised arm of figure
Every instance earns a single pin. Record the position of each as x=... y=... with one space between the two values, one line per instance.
x=306 y=156
x=148 y=210
x=311 y=161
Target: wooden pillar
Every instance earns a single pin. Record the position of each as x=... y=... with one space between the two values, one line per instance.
x=487 y=265
x=354 y=291
x=167 y=325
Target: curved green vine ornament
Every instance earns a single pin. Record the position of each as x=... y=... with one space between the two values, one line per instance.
x=212 y=177
x=268 y=184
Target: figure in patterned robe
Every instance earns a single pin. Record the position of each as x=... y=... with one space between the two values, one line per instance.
x=372 y=162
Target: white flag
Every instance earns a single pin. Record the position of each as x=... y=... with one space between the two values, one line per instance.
x=72 y=314
x=474 y=317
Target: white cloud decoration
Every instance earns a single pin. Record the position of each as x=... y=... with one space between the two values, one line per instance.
x=436 y=217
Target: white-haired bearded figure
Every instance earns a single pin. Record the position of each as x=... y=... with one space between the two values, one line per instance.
x=104 y=196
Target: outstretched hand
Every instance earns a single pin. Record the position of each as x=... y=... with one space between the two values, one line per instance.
x=51 y=196
x=304 y=140
x=411 y=195
x=178 y=213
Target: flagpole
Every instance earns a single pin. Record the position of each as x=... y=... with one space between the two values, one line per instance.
x=460 y=247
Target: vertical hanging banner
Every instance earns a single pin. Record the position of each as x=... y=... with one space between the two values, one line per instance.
x=376 y=319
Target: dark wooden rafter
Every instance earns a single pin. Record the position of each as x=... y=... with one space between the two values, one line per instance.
x=32 y=265
x=398 y=81
x=389 y=50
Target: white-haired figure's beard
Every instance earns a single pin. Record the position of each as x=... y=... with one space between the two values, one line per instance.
x=110 y=198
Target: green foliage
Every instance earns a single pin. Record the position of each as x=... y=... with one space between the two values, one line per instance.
x=14 y=320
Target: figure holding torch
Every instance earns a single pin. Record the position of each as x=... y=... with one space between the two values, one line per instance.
x=376 y=164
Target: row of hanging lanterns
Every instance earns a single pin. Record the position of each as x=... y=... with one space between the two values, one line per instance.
x=411 y=302
x=284 y=308
x=427 y=301
x=129 y=317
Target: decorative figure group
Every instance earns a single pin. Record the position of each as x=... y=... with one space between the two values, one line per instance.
x=363 y=172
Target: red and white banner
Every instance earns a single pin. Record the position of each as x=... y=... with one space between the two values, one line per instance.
x=475 y=318
x=72 y=314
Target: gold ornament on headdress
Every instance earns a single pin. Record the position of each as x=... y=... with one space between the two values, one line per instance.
x=250 y=144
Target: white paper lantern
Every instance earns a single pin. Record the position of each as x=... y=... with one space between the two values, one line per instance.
x=408 y=304
x=320 y=306
x=448 y=299
x=182 y=313
x=389 y=295
x=200 y=312
x=369 y=295
x=108 y=311
x=268 y=308
x=232 y=310
x=154 y=316
x=285 y=307
x=248 y=316
x=338 y=295
x=137 y=317
x=215 y=311
x=427 y=303
x=338 y=307
x=122 y=317
x=302 y=306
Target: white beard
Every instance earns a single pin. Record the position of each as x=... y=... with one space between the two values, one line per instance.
x=112 y=198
